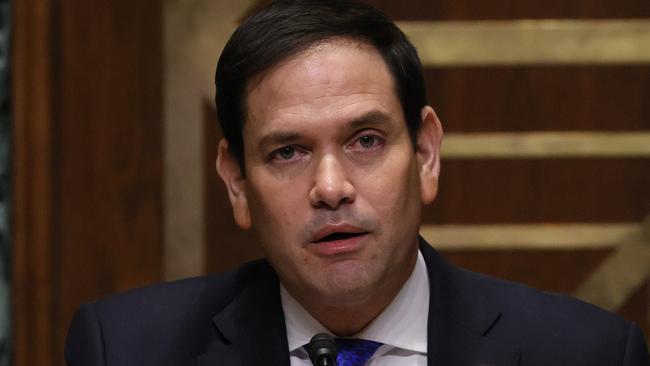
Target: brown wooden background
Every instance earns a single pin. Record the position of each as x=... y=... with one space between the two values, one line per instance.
x=87 y=87
x=87 y=104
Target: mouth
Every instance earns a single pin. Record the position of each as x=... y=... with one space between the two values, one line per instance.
x=336 y=240
x=337 y=232
x=336 y=236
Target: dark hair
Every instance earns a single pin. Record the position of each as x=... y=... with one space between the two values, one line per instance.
x=287 y=27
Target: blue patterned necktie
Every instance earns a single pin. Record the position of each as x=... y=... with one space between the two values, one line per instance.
x=354 y=352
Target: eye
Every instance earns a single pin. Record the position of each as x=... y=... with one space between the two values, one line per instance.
x=367 y=141
x=286 y=152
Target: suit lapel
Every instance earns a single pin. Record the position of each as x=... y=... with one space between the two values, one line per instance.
x=460 y=320
x=251 y=329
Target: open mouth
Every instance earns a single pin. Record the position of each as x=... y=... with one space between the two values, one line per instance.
x=338 y=236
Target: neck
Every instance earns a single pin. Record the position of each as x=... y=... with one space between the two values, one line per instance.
x=346 y=321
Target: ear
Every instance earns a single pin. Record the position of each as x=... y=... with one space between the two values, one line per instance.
x=428 y=154
x=229 y=170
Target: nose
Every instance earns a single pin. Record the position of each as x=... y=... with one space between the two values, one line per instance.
x=331 y=187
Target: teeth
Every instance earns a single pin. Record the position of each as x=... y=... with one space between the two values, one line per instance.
x=338 y=236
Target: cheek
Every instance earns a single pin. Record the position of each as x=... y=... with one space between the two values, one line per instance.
x=392 y=187
x=275 y=209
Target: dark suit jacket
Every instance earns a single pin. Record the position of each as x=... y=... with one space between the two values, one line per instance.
x=237 y=319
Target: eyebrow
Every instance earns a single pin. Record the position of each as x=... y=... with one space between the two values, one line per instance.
x=372 y=118
x=279 y=138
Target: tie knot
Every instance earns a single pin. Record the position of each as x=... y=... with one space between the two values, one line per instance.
x=354 y=352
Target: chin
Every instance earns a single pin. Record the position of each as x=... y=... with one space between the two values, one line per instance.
x=349 y=282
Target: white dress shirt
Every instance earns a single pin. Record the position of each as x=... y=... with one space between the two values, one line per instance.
x=401 y=327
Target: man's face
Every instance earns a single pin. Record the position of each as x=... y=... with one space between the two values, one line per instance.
x=333 y=183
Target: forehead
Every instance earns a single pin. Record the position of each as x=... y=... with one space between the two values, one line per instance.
x=329 y=81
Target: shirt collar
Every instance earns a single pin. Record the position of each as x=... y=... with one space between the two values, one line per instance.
x=403 y=324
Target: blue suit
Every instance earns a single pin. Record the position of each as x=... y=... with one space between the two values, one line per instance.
x=237 y=319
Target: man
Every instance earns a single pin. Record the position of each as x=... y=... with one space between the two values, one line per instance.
x=330 y=151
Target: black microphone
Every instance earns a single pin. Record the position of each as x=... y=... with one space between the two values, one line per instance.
x=322 y=350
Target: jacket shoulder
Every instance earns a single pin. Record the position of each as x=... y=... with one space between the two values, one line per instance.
x=165 y=299
x=554 y=327
x=140 y=326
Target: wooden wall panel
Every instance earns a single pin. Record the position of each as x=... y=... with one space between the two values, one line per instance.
x=512 y=9
x=99 y=210
x=543 y=98
x=32 y=176
x=533 y=266
x=541 y=190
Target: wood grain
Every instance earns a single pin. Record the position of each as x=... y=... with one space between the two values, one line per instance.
x=541 y=190
x=566 y=98
x=512 y=9
x=88 y=218
x=32 y=294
